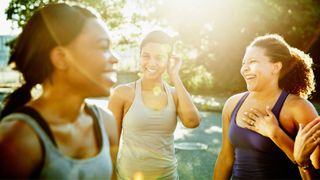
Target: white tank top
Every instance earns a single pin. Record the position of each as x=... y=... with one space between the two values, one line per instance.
x=146 y=146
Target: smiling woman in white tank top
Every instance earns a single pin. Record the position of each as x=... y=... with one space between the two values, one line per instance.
x=146 y=112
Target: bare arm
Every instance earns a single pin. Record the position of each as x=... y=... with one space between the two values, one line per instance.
x=20 y=150
x=187 y=111
x=116 y=105
x=307 y=141
x=224 y=163
x=110 y=126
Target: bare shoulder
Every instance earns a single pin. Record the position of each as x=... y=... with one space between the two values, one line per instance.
x=231 y=102
x=124 y=90
x=18 y=141
x=17 y=133
x=301 y=109
x=297 y=103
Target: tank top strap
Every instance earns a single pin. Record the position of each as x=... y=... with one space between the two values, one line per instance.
x=278 y=106
x=240 y=102
x=138 y=89
x=99 y=126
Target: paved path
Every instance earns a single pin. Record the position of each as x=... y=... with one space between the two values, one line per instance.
x=197 y=163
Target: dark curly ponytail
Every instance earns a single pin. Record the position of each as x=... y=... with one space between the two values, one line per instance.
x=296 y=75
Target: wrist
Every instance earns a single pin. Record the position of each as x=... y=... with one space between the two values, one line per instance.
x=175 y=78
x=305 y=164
x=274 y=133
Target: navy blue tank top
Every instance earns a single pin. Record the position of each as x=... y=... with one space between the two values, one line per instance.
x=256 y=156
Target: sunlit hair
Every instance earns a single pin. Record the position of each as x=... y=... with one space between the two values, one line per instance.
x=157 y=36
x=296 y=75
x=50 y=26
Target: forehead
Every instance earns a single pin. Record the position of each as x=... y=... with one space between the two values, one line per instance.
x=94 y=30
x=256 y=53
x=156 y=48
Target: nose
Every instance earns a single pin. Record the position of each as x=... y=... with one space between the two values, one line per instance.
x=244 y=68
x=153 y=61
x=114 y=59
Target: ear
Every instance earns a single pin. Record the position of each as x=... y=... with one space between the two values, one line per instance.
x=58 y=58
x=277 y=67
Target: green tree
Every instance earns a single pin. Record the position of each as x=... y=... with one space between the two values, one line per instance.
x=214 y=32
x=220 y=30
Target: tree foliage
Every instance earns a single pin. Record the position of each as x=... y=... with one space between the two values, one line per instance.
x=214 y=32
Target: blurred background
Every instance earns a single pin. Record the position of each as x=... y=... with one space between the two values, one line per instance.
x=213 y=33
x=212 y=36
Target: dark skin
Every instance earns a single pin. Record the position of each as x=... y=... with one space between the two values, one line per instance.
x=62 y=104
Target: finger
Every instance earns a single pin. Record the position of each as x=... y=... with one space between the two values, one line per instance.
x=269 y=111
x=316 y=136
x=252 y=128
x=300 y=128
x=248 y=122
x=256 y=112
x=251 y=116
x=312 y=130
x=314 y=124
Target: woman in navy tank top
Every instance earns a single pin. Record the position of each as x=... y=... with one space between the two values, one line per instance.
x=278 y=79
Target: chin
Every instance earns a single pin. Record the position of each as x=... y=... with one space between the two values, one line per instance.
x=101 y=92
x=152 y=77
x=250 y=88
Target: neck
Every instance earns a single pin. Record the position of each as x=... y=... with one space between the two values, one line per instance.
x=149 y=84
x=59 y=105
x=266 y=93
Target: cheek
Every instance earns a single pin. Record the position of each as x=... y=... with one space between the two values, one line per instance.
x=241 y=70
x=107 y=56
x=143 y=63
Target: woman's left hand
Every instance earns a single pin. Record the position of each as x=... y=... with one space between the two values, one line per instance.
x=264 y=124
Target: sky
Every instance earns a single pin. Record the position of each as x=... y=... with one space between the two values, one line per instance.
x=5 y=25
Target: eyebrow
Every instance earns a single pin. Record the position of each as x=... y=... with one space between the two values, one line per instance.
x=99 y=40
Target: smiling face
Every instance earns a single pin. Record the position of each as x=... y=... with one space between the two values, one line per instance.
x=154 y=59
x=91 y=60
x=258 y=70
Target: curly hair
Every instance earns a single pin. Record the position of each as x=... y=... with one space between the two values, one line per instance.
x=296 y=75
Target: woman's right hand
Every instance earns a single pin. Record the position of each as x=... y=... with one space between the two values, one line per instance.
x=306 y=141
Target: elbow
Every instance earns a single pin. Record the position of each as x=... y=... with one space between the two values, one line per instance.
x=195 y=125
x=193 y=122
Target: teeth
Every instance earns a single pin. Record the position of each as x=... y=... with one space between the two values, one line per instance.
x=250 y=76
x=151 y=70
